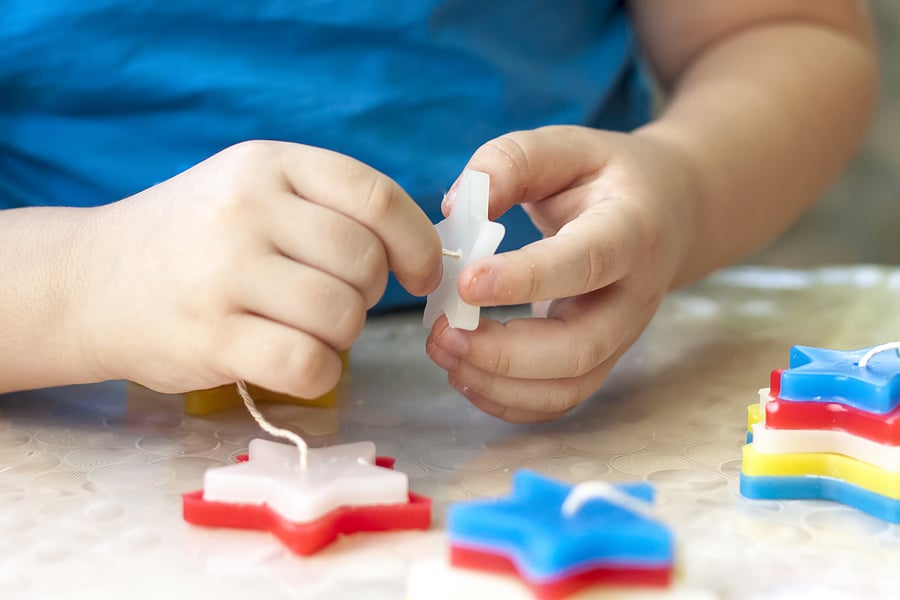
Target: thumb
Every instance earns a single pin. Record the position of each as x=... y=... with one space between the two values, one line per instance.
x=528 y=166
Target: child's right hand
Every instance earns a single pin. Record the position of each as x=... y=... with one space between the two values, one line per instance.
x=258 y=264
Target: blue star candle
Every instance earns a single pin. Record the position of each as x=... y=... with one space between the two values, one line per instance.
x=528 y=534
x=822 y=375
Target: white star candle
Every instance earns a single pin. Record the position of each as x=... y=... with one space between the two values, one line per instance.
x=469 y=235
x=343 y=475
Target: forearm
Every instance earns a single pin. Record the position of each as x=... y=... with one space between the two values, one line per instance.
x=43 y=258
x=765 y=119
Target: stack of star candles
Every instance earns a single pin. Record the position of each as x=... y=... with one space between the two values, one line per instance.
x=828 y=428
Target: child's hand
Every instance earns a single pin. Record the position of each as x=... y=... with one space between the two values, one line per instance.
x=615 y=210
x=258 y=263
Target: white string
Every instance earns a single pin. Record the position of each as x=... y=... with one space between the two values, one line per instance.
x=864 y=361
x=451 y=253
x=590 y=490
x=271 y=429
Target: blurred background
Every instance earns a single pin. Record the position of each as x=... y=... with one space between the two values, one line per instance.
x=858 y=220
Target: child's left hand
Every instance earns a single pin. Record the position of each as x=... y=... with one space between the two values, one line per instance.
x=616 y=212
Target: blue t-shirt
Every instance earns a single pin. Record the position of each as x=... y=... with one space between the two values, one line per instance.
x=100 y=99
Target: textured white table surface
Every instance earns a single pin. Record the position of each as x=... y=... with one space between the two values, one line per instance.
x=91 y=476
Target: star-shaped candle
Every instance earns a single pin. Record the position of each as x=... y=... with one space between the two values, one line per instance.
x=859 y=378
x=558 y=539
x=340 y=490
x=807 y=487
x=880 y=428
x=466 y=235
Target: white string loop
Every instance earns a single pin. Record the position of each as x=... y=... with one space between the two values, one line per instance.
x=590 y=490
x=272 y=429
x=864 y=361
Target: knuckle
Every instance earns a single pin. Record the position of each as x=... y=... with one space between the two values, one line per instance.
x=252 y=151
x=235 y=197
x=533 y=283
x=375 y=288
x=221 y=346
x=559 y=399
x=588 y=354
x=510 y=152
x=501 y=364
x=372 y=258
x=520 y=281
x=484 y=386
x=334 y=311
x=349 y=321
x=499 y=411
x=371 y=271
x=381 y=196
x=594 y=268
x=313 y=368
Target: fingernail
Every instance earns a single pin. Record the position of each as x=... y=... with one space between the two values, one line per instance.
x=449 y=200
x=482 y=286
x=454 y=341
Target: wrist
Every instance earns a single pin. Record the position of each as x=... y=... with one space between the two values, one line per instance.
x=43 y=260
x=82 y=273
x=680 y=199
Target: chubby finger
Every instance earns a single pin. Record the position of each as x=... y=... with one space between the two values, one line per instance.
x=275 y=356
x=506 y=413
x=360 y=192
x=330 y=242
x=579 y=335
x=302 y=297
x=588 y=253
x=528 y=166
x=548 y=396
x=509 y=349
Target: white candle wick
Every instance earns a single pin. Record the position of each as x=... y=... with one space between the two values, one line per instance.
x=864 y=361
x=292 y=437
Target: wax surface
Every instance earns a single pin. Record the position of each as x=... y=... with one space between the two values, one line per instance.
x=343 y=475
x=801 y=441
x=823 y=375
x=785 y=414
x=822 y=464
x=814 y=487
x=468 y=233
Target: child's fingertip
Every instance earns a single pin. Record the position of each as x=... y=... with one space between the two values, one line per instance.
x=479 y=288
x=448 y=201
